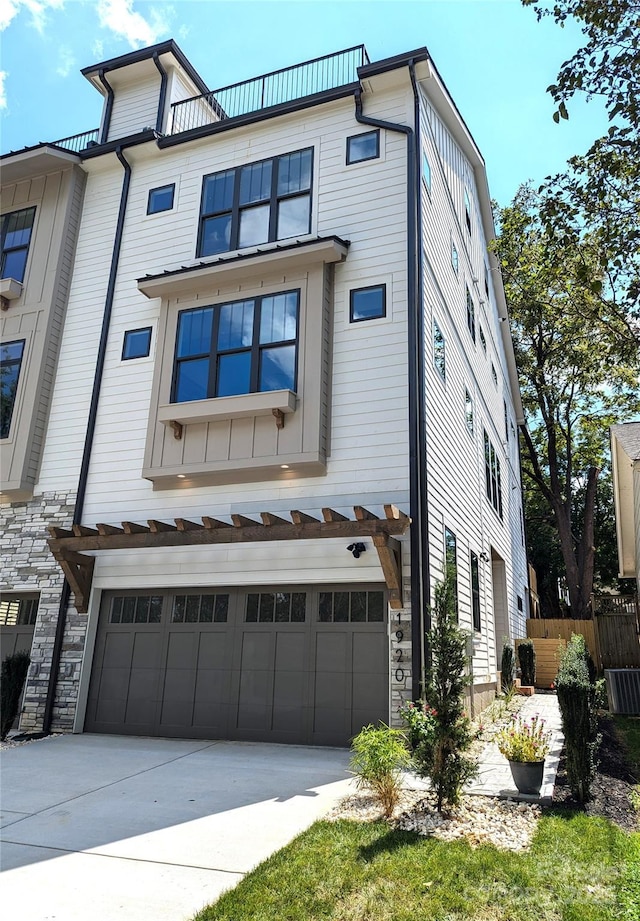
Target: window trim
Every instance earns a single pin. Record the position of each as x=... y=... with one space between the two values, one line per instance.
x=493 y=476
x=376 y=156
x=237 y=209
x=127 y=333
x=382 y=287
x=15 y=249
x=161 y=188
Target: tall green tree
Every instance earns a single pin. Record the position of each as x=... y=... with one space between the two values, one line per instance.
x=577 y=373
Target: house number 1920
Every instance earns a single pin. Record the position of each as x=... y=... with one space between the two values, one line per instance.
x=399 y=671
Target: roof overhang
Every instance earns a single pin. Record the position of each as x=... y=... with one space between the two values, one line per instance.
x=35 y=161
x=70 y=547
x=136 y=64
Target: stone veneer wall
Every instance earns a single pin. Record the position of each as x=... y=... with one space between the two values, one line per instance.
x=27 y=565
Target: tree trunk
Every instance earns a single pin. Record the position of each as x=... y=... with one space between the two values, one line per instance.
x=578 y=556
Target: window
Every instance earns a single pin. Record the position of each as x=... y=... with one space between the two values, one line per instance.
x=200 y=609
x=483 y=341
x=363 y=147
x=506 y=419
x=475 y=592
x=455 y=261
x=492 y=475
x=520 y=604
x=136 y=609
x=351 y=607
x=257 y=203
x=247 y=346
x=471 y=315
x=494 y=374
x=426 y=172
x=18 y=611
x=16 y=236
x=486 y=281
x=468 y=411
x=137 y=343
x=368 y=303
x=161 y=199
x=276 y=607
x=438 y=350
x=451 y=564
x=10 y=362
x=467 y=210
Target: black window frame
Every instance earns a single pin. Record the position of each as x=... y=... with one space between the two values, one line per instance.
x=483 y=339
x=426 y=173
x=451 y=563
x=161 y=188
x=439 y=350
x=467 y=210
x=7 y=410
x=354 y=291
x=4 y=250
x=130 y=332
x=455 y=259
x=355 y=137
x=471 y=314
x=18 y=610
x=493 y=476
x=469 y=411
x=237 y=209
x=475 y=592
x=256 y=348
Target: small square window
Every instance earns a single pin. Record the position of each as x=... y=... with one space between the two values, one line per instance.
x=455 y=262
x=368 y=303
x=494 y=374
x=483 y=341
x=467 y=210
x=363 y=147
x=161 y=199
x=439 y=350
x=426 y=172
x=137 y=343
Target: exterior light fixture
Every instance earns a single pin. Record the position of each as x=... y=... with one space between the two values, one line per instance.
x=356 y=549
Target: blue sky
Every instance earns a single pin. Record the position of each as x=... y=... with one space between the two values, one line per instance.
x=494 y=56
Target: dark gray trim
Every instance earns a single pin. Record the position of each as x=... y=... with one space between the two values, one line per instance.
x=225 y=260
x=164 y=79
x=88 y=442
x=406 y=59
x=284 y=108
x=108 y=109
x=144 y=54
x=132 y=140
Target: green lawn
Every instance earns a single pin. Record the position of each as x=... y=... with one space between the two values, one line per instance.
x=578 y=869
x=628 y=729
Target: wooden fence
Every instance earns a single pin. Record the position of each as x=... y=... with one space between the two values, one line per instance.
x=548 y=654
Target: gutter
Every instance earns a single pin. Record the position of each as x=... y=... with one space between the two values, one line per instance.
x=418 y=534
x=108 y=109
x=88 y=443
x=163 y=91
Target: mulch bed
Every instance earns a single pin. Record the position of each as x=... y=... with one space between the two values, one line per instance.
x=612 y=786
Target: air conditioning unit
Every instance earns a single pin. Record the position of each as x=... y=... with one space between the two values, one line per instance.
x=623 y=690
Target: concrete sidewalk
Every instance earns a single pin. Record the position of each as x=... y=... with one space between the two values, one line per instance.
x=116 y=828
x=494 y=777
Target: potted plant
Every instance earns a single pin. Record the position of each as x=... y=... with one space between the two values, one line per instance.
x=525 y=744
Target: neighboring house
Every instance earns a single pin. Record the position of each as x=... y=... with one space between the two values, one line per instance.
x=294 y=406
x=625 y=457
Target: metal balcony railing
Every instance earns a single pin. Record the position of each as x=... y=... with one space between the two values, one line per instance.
x=78 y=142
x=280 y=86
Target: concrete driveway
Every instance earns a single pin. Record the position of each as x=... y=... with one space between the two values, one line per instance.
x=114 y=827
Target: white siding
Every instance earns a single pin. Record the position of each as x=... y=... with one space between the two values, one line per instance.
x=135 y=106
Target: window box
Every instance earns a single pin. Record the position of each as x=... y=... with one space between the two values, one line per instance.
x=236 y=407
x=10 y=289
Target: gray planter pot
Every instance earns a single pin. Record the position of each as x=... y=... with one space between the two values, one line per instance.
x=527 y=775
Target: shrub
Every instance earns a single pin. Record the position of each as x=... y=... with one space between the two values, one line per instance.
x=577 y=699
x=527 y=659
x=12 y=677
x=439 y=755
x=507 y=668
x=379 y=754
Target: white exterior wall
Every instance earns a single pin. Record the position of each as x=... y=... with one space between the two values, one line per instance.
x=455 y=458
x=135 y=107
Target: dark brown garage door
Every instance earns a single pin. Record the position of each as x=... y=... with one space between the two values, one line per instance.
x=291 y=665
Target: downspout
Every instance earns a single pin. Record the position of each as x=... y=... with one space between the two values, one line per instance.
x=164 y=79
x=108 y=109
x=417 y=463
x=88 y=442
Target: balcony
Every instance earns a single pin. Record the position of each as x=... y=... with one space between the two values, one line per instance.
x=78 y=142
x=298 y=82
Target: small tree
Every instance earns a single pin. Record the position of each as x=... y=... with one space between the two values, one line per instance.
x=527 y=659
x=507 y=668
x=379 y=754
x=444 y=761
x=12 y=677
x=577 y=699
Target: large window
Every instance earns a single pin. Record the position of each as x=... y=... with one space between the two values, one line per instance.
x=16 y=236
x=257 y=203
x=10 y=362
x=492 y=475
x=247 y=346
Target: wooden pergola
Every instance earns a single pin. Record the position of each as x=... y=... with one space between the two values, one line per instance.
x=69 y=547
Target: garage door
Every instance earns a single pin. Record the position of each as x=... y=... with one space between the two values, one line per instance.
x=292 y=665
